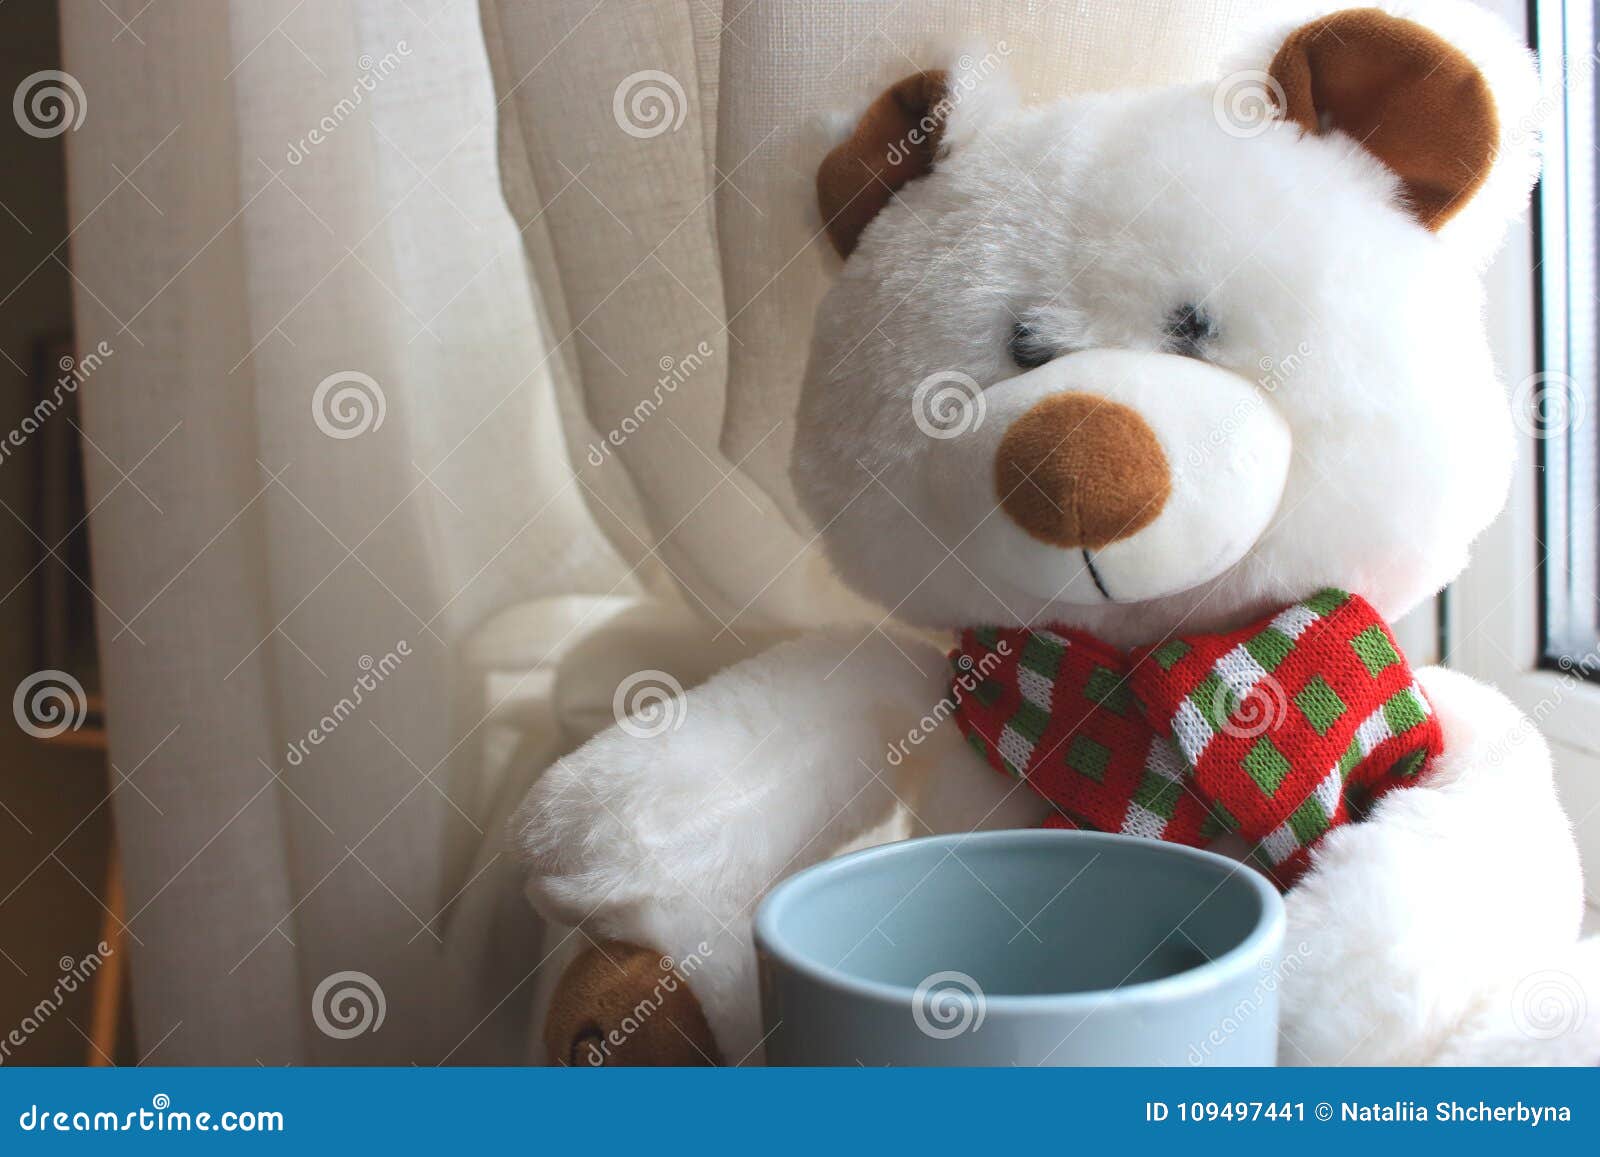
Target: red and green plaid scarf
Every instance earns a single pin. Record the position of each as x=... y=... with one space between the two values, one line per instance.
x=1278 y=732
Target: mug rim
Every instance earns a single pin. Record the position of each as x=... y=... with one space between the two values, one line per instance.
x=1262 y=940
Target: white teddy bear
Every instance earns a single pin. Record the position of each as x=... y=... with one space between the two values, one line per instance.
x=1117 y=388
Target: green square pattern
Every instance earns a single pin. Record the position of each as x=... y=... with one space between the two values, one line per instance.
x=1110 y=690
x=1086 y=757
x=1374 y=650
x=1217 y=821
x=1320 y=704
x=1269 y=648
x=1168 y=654
x=1326 y=601
x=1403 y=711
x=1030 y=721
x=1041 y=656
x=1266 y=765
x=1213 y=700
x=1308 y=821
x=1158 y=794
x=1408 y=765
x=1351 y=759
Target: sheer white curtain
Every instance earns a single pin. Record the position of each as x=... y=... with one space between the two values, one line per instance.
x=268 y=197
x=454 y=354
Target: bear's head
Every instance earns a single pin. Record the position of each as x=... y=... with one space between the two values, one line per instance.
x=1171 y=358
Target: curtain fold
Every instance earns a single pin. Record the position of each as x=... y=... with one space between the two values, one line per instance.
x=330 y=395
x=616 y=182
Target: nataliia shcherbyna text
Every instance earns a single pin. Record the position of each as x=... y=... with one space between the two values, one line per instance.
x=1480 y=1111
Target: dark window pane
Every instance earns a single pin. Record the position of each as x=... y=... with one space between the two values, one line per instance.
x=1560 y=400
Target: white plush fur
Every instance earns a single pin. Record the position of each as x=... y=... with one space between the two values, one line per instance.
x=1365 y=442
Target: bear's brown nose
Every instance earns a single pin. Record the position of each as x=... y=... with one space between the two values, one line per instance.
x=1081 y=471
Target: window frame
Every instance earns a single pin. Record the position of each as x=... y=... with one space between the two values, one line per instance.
x=1495 y=615
x=1561 y=390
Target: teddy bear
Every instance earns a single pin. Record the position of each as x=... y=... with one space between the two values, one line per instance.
x=1141 y=415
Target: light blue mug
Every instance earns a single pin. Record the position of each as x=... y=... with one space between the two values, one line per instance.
x=1034 y=947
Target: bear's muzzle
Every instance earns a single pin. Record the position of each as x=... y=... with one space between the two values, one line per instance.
x=1109 y=474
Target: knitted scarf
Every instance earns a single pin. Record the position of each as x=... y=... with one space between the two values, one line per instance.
x=1278 y=732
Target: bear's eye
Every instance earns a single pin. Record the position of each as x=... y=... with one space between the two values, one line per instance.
x=1190 y=331
x=1028 y=350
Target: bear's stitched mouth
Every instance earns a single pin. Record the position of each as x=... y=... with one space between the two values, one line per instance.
x=1094 y=573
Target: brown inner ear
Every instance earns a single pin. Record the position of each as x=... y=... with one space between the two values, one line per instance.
x=1411 y=98
x=894 y=141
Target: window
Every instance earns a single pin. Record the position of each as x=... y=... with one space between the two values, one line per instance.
x=1559 y=402
x=1524 y=617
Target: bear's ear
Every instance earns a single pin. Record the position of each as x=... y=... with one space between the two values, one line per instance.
x=912 y=124
x=895 y=140
x=1410 y=97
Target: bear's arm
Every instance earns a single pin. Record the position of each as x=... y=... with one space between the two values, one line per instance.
x=1466 y=881
x=779 y=761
